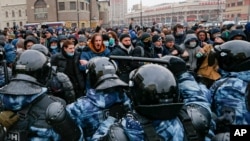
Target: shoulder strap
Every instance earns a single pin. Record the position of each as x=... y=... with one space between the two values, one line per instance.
x=190 y=132
x=149 y=130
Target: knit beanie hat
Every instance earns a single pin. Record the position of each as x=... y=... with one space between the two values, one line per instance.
x=169 y=38
x=124 y=35
x=156 y=38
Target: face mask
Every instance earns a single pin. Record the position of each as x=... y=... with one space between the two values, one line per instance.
x=106 y=43
x=192 y=44
x=81 y=47
x=111 y=41
x=70 y=54
x=53 y=47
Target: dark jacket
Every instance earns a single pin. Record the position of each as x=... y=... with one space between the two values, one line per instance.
x=124 y=67
x=60 y=60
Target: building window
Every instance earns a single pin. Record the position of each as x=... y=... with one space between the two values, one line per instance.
x=20 y=13
x=13 y=13
x=239 y=3
x=87 y=8
x=6 y=14
x=61 y=6
x=73 y=25
x=83 y=25
x=82 y=5
x=40 y=10
x=7 y=24
x=232 y=4
x=72 y=5
x=21 y=23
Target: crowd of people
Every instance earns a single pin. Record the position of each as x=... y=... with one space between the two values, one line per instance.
x=130 y=83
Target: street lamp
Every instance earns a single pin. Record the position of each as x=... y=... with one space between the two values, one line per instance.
x=78 y=19
x=141 y=12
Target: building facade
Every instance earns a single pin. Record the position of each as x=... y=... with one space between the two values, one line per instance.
x=189 y=11
x=237 y=10
x=13 y=13
x=75 y=13
x=118 y=10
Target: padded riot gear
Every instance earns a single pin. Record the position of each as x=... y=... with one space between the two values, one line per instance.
x=34 y=63
x=221 y=137
x=61 y=86
x=59 y=119
x=153 y=90
x=233 y=56
x=102 y=73
x=200 y=117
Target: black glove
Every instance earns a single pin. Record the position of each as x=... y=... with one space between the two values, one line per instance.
x=175 y=64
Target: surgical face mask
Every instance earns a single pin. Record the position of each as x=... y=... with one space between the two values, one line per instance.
x=111 y=41
x=53 y=47
x=81 y=47
x=192 y=44
x=70 y=54
x=106 y=43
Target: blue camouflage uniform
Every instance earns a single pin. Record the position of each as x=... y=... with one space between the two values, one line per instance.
x=172 y=129
x=88 y=112
x=18 y=102
x=230 y=91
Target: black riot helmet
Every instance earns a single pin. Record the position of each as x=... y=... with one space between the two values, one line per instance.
x=154 y=92
x=233 y=56
x=101 y=73
x=33 y=63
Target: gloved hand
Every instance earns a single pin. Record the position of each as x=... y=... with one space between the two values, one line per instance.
x=8 y=118
x=175 y=64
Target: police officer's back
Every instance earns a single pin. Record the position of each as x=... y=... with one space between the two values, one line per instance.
x=230 y=94
x=159 y=112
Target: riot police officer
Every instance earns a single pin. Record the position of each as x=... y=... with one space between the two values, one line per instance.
x=230 y=94
x=160 y=114
x=105 y=100
x=26 y=96
x=58 y=83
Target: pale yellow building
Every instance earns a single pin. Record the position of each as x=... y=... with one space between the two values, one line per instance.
x=13 y=12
